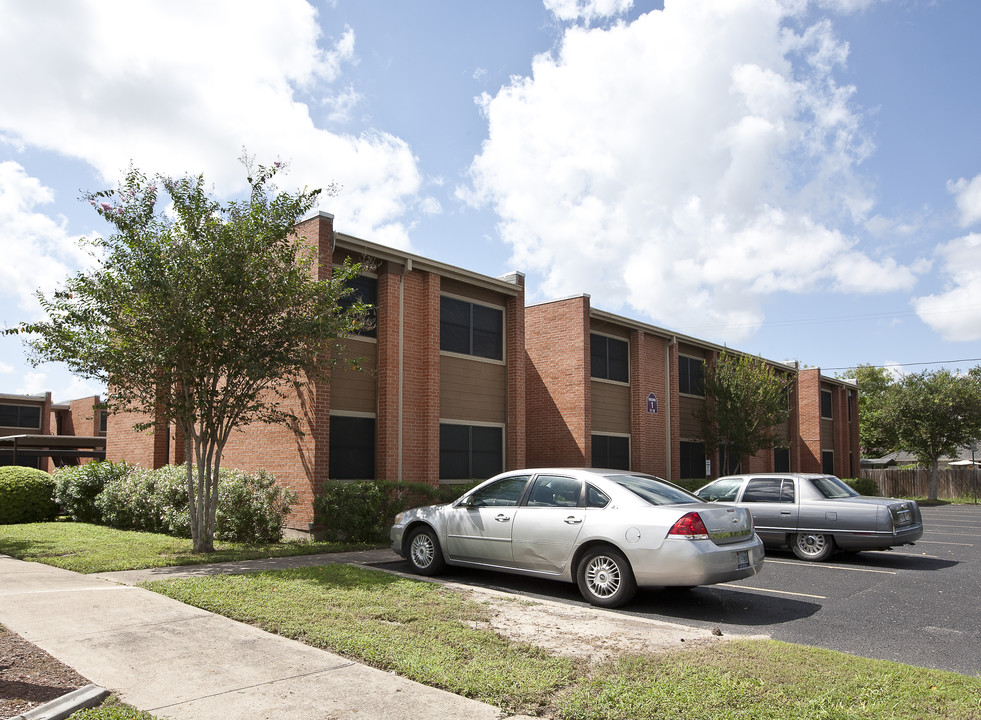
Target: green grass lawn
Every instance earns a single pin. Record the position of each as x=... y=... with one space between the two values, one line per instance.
x=88 y=548
x=435 y=636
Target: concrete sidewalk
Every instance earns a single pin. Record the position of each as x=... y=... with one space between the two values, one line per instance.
x=180 y=662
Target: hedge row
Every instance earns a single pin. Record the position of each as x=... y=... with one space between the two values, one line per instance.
x=251 y=507
x=364 y=511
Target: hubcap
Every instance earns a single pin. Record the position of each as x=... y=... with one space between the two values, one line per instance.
x=603 y=576
x=422 y=550
x=811 y=544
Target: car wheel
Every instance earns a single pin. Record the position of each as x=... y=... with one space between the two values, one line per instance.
x=605 y=578
x=813 y=546
x=424 y=553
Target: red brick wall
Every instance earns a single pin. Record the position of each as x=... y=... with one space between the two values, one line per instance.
x=648 y=432
x=809 y=420
x=516 y=435
x=557 y=391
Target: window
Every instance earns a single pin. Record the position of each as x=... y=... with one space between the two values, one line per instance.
x=467 y=452
x=692 y=460
x=365 y=289
x=596 y=498
x=828 y=462
x=21 y=416
x=611 y=451
x=471 y=329
x=103 y=421
x=505 y=492
x=555 y=491
x=769 y=490
x=724 y=490
x=609 y=358
x=827 y=405
x=690 y=374
x=781 y=459
x=352 y=448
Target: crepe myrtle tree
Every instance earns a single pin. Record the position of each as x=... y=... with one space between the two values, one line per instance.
x=745 y=398
x=199 y=314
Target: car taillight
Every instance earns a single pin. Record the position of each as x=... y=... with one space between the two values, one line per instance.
x=690 y=527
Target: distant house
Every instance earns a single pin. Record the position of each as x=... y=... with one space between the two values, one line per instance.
x=35 y=432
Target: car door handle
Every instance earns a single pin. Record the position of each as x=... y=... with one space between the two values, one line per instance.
x=573 y=520
x=503 y=518
x=785 y=512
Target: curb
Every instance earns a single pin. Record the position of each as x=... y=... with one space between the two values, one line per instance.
x=60 y=708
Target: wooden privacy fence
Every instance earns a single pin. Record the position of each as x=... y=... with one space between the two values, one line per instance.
x=915 y=482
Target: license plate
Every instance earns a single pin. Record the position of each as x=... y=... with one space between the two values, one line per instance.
x=742 y=559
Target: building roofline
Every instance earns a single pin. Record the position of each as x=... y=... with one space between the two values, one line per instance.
x=417 y=262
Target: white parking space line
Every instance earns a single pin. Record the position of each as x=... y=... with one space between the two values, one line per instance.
x=777 y=592
x=954 y=534
x=937 y=542
x=830 y=567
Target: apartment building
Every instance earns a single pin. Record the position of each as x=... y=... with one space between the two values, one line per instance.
x=35 y=432
x=459 y=380
x=609 y=391
x=439 y=396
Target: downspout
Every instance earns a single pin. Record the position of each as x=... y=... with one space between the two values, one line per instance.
x=407 y=267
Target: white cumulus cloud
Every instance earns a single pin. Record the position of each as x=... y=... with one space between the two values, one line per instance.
x=967 y=195
x=178 y=86
x=686 y=164
x=955 y=313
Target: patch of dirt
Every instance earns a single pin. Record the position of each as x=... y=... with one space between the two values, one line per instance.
x=30 y=677
x=587 y=634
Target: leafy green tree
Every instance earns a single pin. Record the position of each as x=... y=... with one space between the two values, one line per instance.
x=201 y=314
x=746 y=399
x=875 y=391
x=933 y=413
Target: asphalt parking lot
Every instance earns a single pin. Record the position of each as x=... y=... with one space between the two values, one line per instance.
x=916 y=604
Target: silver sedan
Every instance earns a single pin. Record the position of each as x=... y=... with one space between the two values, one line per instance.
x=609 y=531
x=817 y=515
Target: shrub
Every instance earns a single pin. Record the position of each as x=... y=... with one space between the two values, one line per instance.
x=252 y=508
x=26 y=495
x=863 y=486
x=77 y=487
x=364 y=511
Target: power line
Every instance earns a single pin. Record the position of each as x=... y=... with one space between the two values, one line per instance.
x=891 y=365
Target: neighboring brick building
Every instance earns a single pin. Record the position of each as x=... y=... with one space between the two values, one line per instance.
x=608 y=391
x=29 y=424
x=460 y=380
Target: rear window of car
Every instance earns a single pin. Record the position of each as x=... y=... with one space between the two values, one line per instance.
x=832 y=488
x=654 y=490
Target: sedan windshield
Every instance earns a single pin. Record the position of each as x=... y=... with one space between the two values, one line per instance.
x=832 y=488
x=654 y=490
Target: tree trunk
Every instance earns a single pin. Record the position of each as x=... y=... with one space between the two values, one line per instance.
x=933 y=491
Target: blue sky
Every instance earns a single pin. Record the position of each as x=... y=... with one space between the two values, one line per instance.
x=798 y=179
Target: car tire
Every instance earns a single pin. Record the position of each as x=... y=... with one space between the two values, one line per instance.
x=814 y=547
x=424 y=553
x=605 y=578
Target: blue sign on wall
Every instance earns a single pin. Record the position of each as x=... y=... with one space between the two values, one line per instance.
x=652 y=404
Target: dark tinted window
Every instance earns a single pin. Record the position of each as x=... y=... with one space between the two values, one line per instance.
x=828 y=461
x=352 y=448
x=609 y=358
x=471 y=329
x=772 y=490
x=690 y=375
x=692 y=460
x=781 y=459
x=827 y=405
x=470 y=451
x=611 y=451
x=364 y=289
x=22 y=416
